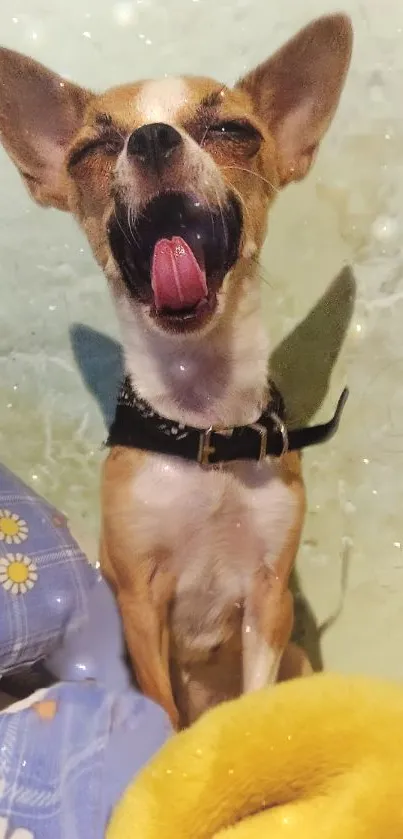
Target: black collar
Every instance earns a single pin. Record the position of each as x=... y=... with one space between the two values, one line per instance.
x=138 y=426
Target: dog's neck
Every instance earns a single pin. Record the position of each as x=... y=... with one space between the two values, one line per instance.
x=219 y=379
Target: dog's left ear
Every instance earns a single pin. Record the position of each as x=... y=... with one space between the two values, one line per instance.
x=39 y=114
x=296 y=92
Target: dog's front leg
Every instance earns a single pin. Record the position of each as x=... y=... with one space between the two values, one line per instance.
x=147 y=637
x=268 y=607
x=144 y=591
x=266 y=630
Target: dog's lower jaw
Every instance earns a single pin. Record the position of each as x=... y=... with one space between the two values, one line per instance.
x=215 y=379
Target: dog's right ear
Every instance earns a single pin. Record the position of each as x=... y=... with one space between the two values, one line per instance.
x=40 y=112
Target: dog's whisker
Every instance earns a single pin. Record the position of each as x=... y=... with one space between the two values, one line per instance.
x=209 y=209
x=202 y=141
x=241 y=200
x=255 y=175
x=132 y=226
x=122 y=230
x=222 y=217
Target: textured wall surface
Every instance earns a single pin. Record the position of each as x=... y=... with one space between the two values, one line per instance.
x=333 y=265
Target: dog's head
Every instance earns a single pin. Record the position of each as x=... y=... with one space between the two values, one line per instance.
x=171 y=179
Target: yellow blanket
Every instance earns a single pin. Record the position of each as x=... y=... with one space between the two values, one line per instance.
x=316 y=758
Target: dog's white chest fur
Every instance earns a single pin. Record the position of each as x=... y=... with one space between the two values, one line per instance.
x=218 y=527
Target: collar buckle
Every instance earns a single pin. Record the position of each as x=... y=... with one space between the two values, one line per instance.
x=262 y=432
x=205 y=447
x=280 y=426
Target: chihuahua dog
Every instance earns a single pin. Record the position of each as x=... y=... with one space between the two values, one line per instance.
x=171 y=181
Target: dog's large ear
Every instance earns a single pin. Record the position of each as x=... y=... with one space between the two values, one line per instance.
x=296 y=92
x=39 y=114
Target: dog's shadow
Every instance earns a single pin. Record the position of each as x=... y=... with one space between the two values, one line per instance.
x=301 y=366
x=99 y=359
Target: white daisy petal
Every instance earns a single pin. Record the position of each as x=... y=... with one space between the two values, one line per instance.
x=7 y=585
x=30 y=583
x=33 y=575
x=9 y=540
x=23 y=588
x=14 y=516
x=26 y=560
x=17 y=540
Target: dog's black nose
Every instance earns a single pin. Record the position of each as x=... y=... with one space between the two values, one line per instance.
x=153 y=144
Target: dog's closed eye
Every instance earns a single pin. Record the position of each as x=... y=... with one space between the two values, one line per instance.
x=107 y=143
x=239 y=132
x=240 y=129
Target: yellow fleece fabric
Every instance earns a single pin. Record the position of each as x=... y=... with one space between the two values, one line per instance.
x=315 y=758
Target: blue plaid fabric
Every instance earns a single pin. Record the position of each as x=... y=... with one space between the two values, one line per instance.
x=44 y=576
x=67 y=755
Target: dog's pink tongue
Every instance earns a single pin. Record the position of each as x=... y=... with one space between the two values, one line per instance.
x=177 y=280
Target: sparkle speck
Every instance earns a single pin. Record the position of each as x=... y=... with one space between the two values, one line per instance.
x=34 y=477
x=365 y=460
x=169 y=771
x=397 y=544
x=87 y=34
x=34 y=36
x=123 y=13
x=230 y=771
x=148 y=42
x=358 y=327
x=15 y=20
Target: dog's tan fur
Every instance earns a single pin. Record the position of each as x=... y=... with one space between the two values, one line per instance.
x=199 y=559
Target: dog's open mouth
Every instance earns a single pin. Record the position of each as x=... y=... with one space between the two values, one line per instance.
x=176 y=255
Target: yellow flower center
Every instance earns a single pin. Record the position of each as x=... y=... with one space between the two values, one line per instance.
x=9 y=527
x=17 y=572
